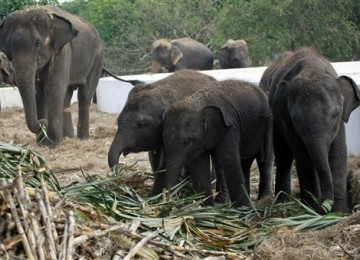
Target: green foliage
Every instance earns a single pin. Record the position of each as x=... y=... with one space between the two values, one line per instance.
x=128 y=27
x=8 y=6
x=272 y=27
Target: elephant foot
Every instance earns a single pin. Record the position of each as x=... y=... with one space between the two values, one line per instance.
x=341 y=207
x=265 y=194
x=222 y=198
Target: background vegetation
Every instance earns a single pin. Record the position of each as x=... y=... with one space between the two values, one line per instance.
x=128 y=27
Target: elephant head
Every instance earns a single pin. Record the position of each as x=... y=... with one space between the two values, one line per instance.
x=139 y=126
x=31 y=39
x=165 y=54
x=234 y=54
x=6 y=71
x=189 y=134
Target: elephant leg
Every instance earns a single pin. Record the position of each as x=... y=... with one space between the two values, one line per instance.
x=221 y=187
x=157 y=162
x=55 y=105
x=68 y=128
x=265 y=162
x=228 y=158
x=307 y=179
x=283 y=159
x=338 y=165
x=246 y=168
x=157 y=159
x=199 y=170
x=84 y=98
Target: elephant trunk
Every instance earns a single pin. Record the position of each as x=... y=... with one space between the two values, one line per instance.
x=173 y=169
x=26 y=84
x=156 y=66
x=116 y=149
x=318 y=149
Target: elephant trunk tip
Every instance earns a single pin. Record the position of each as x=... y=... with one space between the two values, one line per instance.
x=37 y=127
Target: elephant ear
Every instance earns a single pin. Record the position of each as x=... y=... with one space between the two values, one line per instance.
x=215 y=125
x=62 y=32
x=4 y=65
x=4 y=42
x=351 y=96
x=176 y=54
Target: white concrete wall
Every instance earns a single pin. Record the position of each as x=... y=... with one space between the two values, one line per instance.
x=112 y=94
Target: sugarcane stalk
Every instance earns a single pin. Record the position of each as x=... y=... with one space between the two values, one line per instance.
x=70 y=243
x=48 y=232
x=62 y=253
x=45 y=195
x=39 y=237
x=139 y=245
x=17 y=220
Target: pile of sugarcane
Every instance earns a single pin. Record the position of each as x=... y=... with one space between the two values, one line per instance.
x=106 y=218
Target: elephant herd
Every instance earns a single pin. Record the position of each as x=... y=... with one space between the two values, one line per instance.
x=189 y=122
x=186 y=53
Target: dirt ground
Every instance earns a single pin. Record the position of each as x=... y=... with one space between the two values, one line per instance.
x=89 y=155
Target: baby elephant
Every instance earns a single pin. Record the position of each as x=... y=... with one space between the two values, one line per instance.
x=310 y=104
x=231 y=122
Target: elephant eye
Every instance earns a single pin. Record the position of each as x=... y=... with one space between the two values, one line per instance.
x=37 y=44
x=141 y=124
x=187 y=142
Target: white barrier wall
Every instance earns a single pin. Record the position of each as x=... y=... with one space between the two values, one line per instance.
x=112 y=94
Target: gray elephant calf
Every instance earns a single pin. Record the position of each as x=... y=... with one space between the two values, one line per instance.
x=310 y=104
x=140 y=123
x=179 y=54
x=231 y=122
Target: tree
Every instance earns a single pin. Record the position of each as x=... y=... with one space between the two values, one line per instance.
x=8 y=6
x=271 y=27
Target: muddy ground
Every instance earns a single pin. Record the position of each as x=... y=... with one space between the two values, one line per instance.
x=91 y=156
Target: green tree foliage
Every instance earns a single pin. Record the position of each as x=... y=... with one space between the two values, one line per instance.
x=271 y=27
x=8 y=6
x=128 y=27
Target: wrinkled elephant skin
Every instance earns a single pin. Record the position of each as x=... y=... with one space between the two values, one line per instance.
x=53 y=53
x=231 y=122
x=310 y=104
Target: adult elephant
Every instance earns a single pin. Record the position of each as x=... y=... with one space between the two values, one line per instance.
x=234 y=54
x=310 y=104
x=140 y=123
x=178 y=54
x=231 y=122
x=53 y=53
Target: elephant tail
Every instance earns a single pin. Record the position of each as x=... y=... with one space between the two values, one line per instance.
x=133 y=82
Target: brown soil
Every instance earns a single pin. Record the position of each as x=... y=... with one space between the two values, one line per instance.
x=89 y=155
